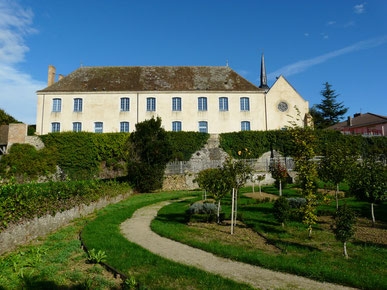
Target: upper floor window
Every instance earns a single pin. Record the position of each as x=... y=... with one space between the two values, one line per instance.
x=203 y=127
x=176 y=104
x=223 y=104
x=245 y=126
x=56 y=105
x=125 y=104
x=245 y=104
x=202 y=104
x=176 y=126
x=98 y=127
x=78 y=105
x=55 y=127
x=151 y=104
x=77 y=127
x=124 y=127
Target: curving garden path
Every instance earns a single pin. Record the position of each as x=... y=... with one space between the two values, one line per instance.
x=137 y=230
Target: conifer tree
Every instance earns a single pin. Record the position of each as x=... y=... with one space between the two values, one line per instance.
x=329 y=112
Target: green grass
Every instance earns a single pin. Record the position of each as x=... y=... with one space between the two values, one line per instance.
x=54 y=262
x=150 y=270
x=319 y=258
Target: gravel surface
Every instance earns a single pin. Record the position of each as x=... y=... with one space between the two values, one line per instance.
x=137 y=230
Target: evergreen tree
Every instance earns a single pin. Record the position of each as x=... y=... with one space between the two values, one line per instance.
x=329 y=112
x=5 y=118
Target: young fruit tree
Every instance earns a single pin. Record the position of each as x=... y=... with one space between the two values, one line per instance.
x=369 y=183
x=216 y=183
x=344 y=227
x=281 y=210
x=280 y=174
x=338 y=160
x=260 y=178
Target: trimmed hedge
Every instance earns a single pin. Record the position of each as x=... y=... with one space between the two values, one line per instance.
x=25 y=201
x=259 y=142
x=80 y=153
x=184 y=144
x=25 y=162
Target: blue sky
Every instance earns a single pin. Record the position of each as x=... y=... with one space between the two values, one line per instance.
x=309 y=42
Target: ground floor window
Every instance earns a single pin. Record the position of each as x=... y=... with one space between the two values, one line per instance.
x=77 y=127
x=245 y=126
x=98 y=127
x=124 y=127
x=55 y=127
x=203 y=127
x=176 y=126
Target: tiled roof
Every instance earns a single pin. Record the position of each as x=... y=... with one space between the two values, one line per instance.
x=361 y=120
x=152 y=78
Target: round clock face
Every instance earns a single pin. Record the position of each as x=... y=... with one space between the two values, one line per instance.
x=283 y=106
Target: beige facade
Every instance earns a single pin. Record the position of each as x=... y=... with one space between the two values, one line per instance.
x=105 y=106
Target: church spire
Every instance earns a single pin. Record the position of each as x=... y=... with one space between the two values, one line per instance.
x=263 y=74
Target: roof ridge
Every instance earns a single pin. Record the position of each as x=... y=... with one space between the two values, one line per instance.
x=166 y=66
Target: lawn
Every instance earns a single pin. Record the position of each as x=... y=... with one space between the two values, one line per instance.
x=319 y=258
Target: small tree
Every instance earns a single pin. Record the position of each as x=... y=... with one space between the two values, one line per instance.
x=344 y=228
x=259 y=178
x=280 y=174
x=338 y=160
x=369 y=183
x=150 y=150
x=281 y=210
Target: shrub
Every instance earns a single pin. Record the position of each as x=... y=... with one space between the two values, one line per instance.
x=281 y=210
x=296 y=202
x=150 y=150
x=202 y=208
x=25 y=162
x=26 y=201
x=184 y=144
x=280 y=174
x=344 y=226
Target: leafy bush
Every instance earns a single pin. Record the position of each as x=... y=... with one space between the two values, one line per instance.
x=202 y=208
x=80 y=153
x=344 y=228
x=26 y=201
x=96 y=257
x=150 y=150
x=280 y=174
x=25 y=162
x=296 y=202
x=281 y=210
x=184 y=144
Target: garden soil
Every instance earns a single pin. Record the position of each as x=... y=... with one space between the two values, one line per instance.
x=137 y=230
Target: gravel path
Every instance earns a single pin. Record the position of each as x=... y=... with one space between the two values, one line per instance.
x=137 y=230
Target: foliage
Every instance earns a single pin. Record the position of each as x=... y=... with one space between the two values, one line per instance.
x=329 y=112
x=304 y=141
x=6 y=119
x=237 y=172
x=344 y=226
x=80 y=153
x=31 y=129
x=25 y=162
x=296 y=202
x=279 y=173
x=202 y=208
x=96 y=257
x=281 y=210
x=184 y=144
x=26 y=201
x=150 y=151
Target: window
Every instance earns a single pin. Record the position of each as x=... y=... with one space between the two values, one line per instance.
x=203 y=127
x=245 y=104
x=202 y=104
x=151 y=104
x=124 y=127
x=56 y=105
x=77 y=127
x=78 y=105
x=245 y=126
x=283 y=106
x=98 y=127
x=176 y=104
x=125 y=104
x=223 y=104
x=176 y=126
x=55 y=127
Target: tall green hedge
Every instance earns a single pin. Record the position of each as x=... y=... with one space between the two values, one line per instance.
x=184 y=144
x=259 y=142
x=80 y=153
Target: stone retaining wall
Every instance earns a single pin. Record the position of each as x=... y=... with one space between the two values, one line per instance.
x=20 y=234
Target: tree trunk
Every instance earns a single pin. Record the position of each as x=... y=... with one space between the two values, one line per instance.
x=310 y=233
x=259 y=186
x=372 y=214
x=283 y=224
x=337 y=197
x=232 y=211
x=218 y=211
x=345 y=250
x=280 y=188
x=236 y=205
x=253 y=187
x=205 y=195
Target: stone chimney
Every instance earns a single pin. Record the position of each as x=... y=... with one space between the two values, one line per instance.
x=51 y=75
x=60 y=77
x=349 y=121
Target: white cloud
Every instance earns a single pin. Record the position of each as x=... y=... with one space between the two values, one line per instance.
x=330 y=23
x=359 y=9
x=349 y=24
x=303 y=65
x=17 y=89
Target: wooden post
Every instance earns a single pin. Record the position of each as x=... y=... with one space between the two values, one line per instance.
x=236 y=206
x=205 y=194
x=280 y=188
x=232 y=212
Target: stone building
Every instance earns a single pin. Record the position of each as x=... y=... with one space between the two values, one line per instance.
x=190 y=98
